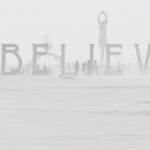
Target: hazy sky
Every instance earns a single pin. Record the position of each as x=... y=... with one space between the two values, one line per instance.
x=74 y=22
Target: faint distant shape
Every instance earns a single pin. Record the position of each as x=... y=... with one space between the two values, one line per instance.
x=102 y=41
x=46 y=59
x=47 y=40
x=49 y=55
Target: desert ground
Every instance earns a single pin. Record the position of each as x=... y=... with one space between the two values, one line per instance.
x=81 y=113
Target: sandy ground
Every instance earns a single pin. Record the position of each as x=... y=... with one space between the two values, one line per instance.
x=50 y=113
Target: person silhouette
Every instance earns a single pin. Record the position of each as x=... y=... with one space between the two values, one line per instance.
x=76 y=66
x=102 y=37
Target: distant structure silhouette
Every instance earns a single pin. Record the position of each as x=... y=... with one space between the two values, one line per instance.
x=102 y=37
x=46 y=59
x=84 y=66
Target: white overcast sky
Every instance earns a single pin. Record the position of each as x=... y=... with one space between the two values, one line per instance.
x=74 y=22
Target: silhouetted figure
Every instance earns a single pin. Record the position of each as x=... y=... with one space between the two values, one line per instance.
x=102 y=37
x=128 y=65
x=88 y=67
x=37 y=68
x=45 y=68
x=108 y=71
x=76 y=66
x=95 y=67
x=84 y=68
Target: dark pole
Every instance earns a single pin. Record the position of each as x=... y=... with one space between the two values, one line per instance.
x=62 y=58
x=91 y=58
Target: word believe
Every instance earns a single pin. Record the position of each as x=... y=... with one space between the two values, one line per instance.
x=14 y=49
